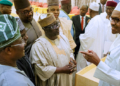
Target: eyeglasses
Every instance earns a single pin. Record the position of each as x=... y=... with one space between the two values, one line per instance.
x=116 y=20
x=54 y=26
x=26 y=12
x=21 y=44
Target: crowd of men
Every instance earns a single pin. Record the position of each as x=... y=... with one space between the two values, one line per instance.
x=48 y=52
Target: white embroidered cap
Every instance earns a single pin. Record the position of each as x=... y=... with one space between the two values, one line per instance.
x=117 y=7
x=94 y=6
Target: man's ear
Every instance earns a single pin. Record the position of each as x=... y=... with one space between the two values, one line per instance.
x=8 y=50
x=17 y=12
x=1 y=6
x=47 y=10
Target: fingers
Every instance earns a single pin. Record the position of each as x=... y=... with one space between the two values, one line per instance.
x=90 y=51
x=75 y=62
x=86 y=54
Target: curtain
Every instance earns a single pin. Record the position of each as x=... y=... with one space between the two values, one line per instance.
x=79 y=3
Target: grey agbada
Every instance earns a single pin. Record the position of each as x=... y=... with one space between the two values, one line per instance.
x=33 y=30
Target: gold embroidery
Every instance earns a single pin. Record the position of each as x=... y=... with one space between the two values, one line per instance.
x=57 y=50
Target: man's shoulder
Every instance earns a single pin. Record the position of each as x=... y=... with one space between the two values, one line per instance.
x=76 y=16
x=13 y=77
x=4 y=69
x=41 y=41
x=88 y=17
x=65 y=21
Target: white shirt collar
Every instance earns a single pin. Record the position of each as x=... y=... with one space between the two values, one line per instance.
x=102 y=4
x=82 y=16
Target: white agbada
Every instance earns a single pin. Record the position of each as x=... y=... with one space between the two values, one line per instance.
x=109 y=37
x=46 y=56
x=109 y=72
x=93 y=38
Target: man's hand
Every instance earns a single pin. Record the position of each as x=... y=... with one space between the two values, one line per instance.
x=68 y=69
x=73 y=61
x=91 y=56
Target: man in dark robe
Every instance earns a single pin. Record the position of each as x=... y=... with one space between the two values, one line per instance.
x=80 y=22
x=23 y=63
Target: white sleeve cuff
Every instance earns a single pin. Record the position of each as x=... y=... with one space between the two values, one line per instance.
x=72 y=56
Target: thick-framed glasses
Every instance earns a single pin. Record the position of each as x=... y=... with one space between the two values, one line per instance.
x=53 y=26
x=26 y=12
x=21 y=44
x=116 y=20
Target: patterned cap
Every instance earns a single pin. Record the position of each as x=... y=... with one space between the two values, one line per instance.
x=9 y=30
x=46 y=19
x=66 y=2
x=6 y=2
x=53 y=2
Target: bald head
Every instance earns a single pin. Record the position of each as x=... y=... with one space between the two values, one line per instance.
x=66 y=5
x=83 y=10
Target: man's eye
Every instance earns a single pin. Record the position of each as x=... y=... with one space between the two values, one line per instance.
x=117 y=20
x=53 y=10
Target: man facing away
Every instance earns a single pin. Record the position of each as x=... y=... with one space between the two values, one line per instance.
x=5 y=7
x=65 y=10
x=108 y=72
x=23 y=63
x=80 y=22
x=25 y=13
x=52 y=56
x=93 y=9
x=11 y=49
x=95 y=35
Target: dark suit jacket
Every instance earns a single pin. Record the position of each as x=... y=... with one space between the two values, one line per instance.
x=78 y=30
x=100 y=9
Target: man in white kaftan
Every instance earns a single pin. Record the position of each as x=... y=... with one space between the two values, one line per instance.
x=108 y=72
x=48 y=55
x=96 y=38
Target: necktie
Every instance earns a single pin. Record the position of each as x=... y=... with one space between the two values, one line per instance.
x=82 y=23
x=102 y=8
